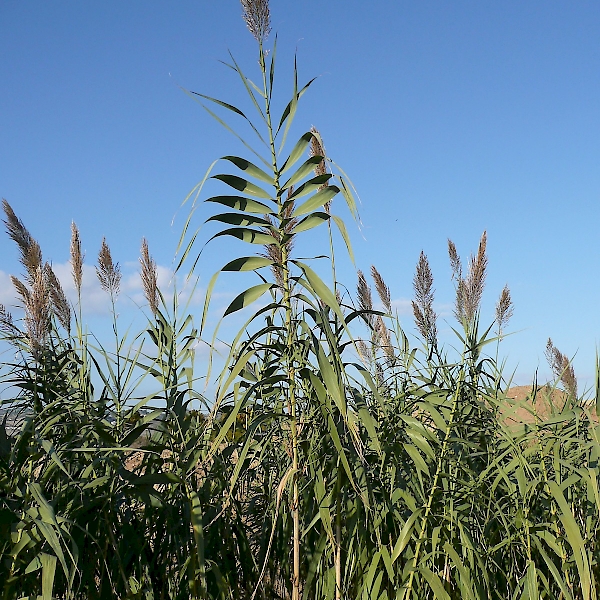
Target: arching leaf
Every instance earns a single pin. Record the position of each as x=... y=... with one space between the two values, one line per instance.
x=242 y=185
x=245 y=234
x=317 y=200
x=297 y=151
x=312 y=185
x=248 y=297
x=344 y=233
x=247 y=263
x=243 y=204
x=311 y=221
x=238 y=219
x=305 y=168
x=251 y=169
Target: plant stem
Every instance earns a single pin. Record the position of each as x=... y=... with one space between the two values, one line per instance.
x=287 y=305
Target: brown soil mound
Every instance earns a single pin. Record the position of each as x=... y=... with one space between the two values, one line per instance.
x=547 y=401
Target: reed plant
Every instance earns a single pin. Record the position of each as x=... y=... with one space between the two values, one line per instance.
x=336 y=459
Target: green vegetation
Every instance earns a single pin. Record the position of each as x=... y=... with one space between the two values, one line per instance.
x=334 y=461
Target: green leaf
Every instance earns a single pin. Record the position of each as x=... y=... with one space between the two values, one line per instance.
x=435 y=583
x=251 y=169
x=297 y=151
x=226 y=126
x=344 y=233
x=247 y=263
x=405 y=535
x=312 y=185
x=244 y=204
x=245 y=234
x=308 y=166
x=48 y=571
x=320 y=289
x=575 y=540
x=290 y=109
x=316 y=201
x=311 y=221
x=248 y=297
x=242 y=185
x=237 y=219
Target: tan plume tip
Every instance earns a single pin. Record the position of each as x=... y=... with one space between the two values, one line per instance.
x=21 y=289
x=109 y=273
x=504 y=309
x=562 y=368
x=317 y=148
x=363 y=352
x=31 y=254
x=469 y=289
x=425 y=317
x=454 y=261
x=149 y=277
x=257 y=15
x=383 y=291
x=384 y=338
x=365 y=298
x=76 y=258
x=475 y=282
x=58 y=298
x=37 y=312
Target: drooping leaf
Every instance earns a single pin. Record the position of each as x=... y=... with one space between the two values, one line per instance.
x=297 y=151
x=247 y=263
x=238 y=219
x=251 y=169
x=248 y=297
x=305 y=169
x=313 y=220
x=316 y=201
x=245 y=234
x=242 y=185
x=244 y=204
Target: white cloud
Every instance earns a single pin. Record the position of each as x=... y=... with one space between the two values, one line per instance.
x=8 y=296
x=402 y=306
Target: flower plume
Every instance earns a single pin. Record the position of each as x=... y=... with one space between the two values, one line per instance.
x=257 y=16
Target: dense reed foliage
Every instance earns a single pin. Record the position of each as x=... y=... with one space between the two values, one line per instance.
x=335 y=460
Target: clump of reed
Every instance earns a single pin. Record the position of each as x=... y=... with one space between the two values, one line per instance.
x=336 y=459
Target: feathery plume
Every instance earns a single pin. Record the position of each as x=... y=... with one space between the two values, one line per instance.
x=109 y=273
x=363 y=351
x=31 y=254
x=562 y=368
x=504 y=309
x=454 y=261
x=59 y=301
x=257 y=16
x=469 y=289
x=475 y=282
x=425 y=317
x=149 y=277
x=37 y=312
x=385 y=340
x=21 y=288
x=365 y=299
x=76 y=258
x=383 y=291
x=316 y=148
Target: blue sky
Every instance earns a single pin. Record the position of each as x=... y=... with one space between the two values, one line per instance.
x=451 y=118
